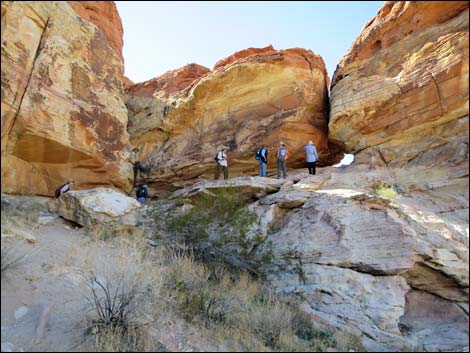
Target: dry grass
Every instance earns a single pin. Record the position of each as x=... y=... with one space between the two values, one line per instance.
x=11 y=260
x=100 y=232
x=118 y=339
x=241 y=313
x=123 y=294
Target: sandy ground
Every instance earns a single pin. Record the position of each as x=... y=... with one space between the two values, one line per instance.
x=49 y=274
x=52 y=273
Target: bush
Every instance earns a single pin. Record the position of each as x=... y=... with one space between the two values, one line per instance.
x=216 y=231
x=240 y=310
x=384 y=190
x=122 y=298
x=10 y=259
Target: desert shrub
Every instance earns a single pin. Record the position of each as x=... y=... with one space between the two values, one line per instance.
x=10 y=259
x=268 y=320
x=384 y=190
x=240 y=310
x=121 y=298
x=217 y=231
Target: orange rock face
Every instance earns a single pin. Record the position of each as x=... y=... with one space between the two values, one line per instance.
x=63 y=111
x=259 y=96
x=400 y=95
x=105 y=16
x=169 y=83
x=127 y=82
x=243 y=54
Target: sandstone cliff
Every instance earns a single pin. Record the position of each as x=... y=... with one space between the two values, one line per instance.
x=63 y=112
x=180 y=120
x=400 y=95
x=399 y=102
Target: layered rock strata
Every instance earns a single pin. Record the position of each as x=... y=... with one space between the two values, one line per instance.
x=400 y=95
x=180 y=120
x=393 y=271
x=63 y=111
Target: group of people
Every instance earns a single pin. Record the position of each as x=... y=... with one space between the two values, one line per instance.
x=282 y=154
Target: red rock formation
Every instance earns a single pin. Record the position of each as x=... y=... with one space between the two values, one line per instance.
x=170 y=82
x=63 y=112
x=105 y=16
x=396 y=20
x=400 y=95
x=127 y=82
x=265 y=97
x=243 y=54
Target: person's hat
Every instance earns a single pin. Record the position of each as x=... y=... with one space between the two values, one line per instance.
x=71 y=181
x=145 y=185
x=282 y=143
x=310 y=142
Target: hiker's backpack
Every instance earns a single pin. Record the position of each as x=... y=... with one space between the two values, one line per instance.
x=258 y=154
x=140 y=192
x=216 y=157
x=282 y=153
x=57 y=191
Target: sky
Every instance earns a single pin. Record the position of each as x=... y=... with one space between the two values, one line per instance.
x=161 y=36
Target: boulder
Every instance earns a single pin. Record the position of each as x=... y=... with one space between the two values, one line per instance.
x=99 y=207
x=400 y=94
x=180 y=120
x=63 y=111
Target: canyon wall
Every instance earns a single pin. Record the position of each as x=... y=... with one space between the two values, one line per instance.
x=399 y=97
x=63 y=111
x=260 y=95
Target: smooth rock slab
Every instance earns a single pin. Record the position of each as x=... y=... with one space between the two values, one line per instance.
x=359 y=303
x=246 y=187
x=440 y=325
x=102 y=206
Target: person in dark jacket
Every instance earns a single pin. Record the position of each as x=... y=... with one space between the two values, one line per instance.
x=142 y=193
x=263 y=162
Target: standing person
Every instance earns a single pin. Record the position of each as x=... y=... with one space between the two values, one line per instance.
x=63 y=188
x=222 y=164
x=262 y=157
x=136 y=168
x=312 y=157
x=139 y=168
x=282 y=155
x=142 y=193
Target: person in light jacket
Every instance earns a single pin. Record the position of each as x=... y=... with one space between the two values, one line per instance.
x=222 y=163
x=312 y=157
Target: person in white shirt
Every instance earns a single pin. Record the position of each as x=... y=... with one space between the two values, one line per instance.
x=222 y=164
x=64 y=188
